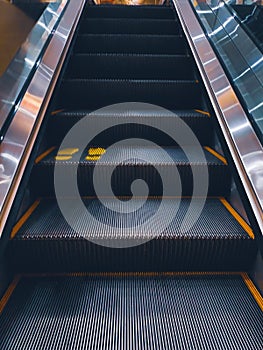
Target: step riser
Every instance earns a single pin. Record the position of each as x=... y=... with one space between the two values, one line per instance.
x=156 y=255
x=129 y=12
x=93 y=94
x=123 y=176
x=134 y=128
x=137 y=44
x=129 y=26
x=131 y=67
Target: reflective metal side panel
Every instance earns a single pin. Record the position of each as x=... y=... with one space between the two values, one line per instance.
x=242 y=141
x=21 y=135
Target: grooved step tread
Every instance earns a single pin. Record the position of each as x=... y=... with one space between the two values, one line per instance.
x=96 y=93
x=130 y=312
x=131 y=43
x=129 y=26
x=129 y=163
x=134 y=121
x=46 y=242
x=128 y=66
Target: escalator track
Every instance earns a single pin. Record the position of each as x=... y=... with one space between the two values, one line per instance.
x=177 y=290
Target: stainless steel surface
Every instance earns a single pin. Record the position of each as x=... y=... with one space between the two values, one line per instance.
x=18 y=72
x=241 y=57
x=244 y=145
x=21 y=135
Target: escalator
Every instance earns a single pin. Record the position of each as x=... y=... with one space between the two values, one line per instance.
x=251 y=16
x=108 y=280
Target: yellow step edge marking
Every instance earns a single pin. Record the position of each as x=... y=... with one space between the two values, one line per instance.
x=62 y=157
x=24 y=218
x=57 y=111
x=216 y=154
x=202 y=112
x=257 y=296
x=240 y=220
x=143 y=274
x=96 y=151
x=67 y=151
x=9 y=292
x=43 y=155
x=92 y=158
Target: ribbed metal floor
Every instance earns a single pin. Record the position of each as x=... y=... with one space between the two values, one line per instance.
x=132 y=312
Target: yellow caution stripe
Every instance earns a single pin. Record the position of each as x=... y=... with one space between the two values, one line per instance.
x=216 y=154
x=43 y=155
x=239 y=218
x=24 y=218
x=257 y=296
x=94 y=158
x=9 y=292
x=67 y=151
x=202 y=112
x=96 y=151
x=62 y=157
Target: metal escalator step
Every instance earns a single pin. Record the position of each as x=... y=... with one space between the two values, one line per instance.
x=129 y=163
x=96 y=93
x=129 y=26
x=134 y=122
x=130 y=43
x=128 y=66
x=46 y=242
x=118 y=11
x=132 y=311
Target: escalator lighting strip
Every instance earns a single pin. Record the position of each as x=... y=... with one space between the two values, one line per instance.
x=240 y=220
x=9 y=292
x=257 y=296
x=217 y=155
x=24 y=218
x=43 y=155
x=203 y=112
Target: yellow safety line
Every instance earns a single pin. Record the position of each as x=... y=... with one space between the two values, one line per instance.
x=257 y=296
x=43 y=155
x=9 y=292
x=62 y=157
x=24 y=218
x=216 y=154
x=57 y=111
x=202 y=112
x=239 y=218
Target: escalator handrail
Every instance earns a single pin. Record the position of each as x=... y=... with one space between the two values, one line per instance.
x=21 y=135
x=244 y=146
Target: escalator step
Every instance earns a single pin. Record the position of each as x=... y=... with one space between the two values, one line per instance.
x=142 y=121
x=109 y=11
x=46 y=242
x=128 y=66
x=129 y=26
x=129 y=311
x=96 y=93
x=130 y=43
x=136 y=162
